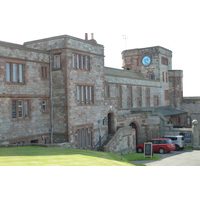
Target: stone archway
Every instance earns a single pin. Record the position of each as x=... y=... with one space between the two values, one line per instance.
x=136 y=127
x=111 y=123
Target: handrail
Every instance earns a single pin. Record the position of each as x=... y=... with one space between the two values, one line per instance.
x=99 y=142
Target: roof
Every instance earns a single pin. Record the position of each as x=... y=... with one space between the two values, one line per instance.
x=165 y=111
x=92 y=41
x=123 y=73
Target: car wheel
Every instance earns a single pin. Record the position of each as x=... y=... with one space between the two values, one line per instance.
x=139 y=150
x=177 y=148
x=161 y=150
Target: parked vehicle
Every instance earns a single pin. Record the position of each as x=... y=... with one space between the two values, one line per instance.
x=160 y=145
x=178 y=140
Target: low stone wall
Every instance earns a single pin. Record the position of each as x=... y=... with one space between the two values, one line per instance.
x=123 y=142
x=62 y=145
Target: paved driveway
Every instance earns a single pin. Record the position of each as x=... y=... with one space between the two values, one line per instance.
x=175 y=158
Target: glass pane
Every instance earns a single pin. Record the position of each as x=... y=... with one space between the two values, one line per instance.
x=57 y=61
x=13 y=109
x=86 y=62
x=14 y=72
x=26 y=108
x=83 y=94
x=43 y=106
x=83 y=62
x=91 y=95
x=7 y=71
x=73 y=60
x=81 y=141
x=85 y=137
x=20 y=109
x=76 y=138
x=20 y=73
x=77 y=61
x=78 y=94
x=89 y=137
x=86 y=93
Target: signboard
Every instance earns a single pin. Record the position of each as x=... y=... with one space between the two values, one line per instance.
x=148 y=150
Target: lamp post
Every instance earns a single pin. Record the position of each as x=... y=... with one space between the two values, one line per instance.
x=99 y=127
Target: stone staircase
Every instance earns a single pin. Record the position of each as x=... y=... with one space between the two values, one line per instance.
x=106 y=141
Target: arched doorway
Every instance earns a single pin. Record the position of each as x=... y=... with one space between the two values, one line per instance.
x=135 y=126
x=111 y=124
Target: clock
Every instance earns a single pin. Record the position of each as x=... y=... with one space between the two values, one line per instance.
x=146 y=60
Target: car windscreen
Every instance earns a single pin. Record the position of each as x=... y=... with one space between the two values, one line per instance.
x=169 y=141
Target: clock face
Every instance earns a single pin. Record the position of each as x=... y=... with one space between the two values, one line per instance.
x=146 y=60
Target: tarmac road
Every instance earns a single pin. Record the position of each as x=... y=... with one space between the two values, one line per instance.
x=175 y=158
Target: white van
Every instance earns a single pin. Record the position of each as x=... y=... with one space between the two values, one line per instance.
x=178 y=140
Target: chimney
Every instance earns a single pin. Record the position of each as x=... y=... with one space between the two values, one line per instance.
x=92 y=36
x=86 y=36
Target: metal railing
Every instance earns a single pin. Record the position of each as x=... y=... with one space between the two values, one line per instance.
x=99 y=143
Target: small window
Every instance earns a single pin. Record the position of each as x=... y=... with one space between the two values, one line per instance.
x=162 y=142
x=34 y=141
x=44 y=72
x=80 y=62
x=107 y=91
x=83 y=138
x=44 y=105
x=85 y=94
x=164 y=61
x=57 y=61
x=20 y=109
x=14 y=73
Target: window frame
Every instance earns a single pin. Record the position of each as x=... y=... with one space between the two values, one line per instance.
x=156 y=100
x=44 y=72
x=164 y=60
x=83 y=136
x=119 y=96
x=139 y=96
x=16 y=72
x=85 y=94
x=80 y=62
x=107 y=90
x=60 y=67
x=44 y=105
x=25 y=109
x=147 y=96
x=129 y=96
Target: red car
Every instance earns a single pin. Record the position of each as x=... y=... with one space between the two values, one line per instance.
x=160 y=145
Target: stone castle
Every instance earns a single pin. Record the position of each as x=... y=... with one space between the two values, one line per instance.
x=57 y=90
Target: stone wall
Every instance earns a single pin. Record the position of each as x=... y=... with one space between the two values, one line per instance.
x=34 y=89
x=123 y=142
x=192 y=106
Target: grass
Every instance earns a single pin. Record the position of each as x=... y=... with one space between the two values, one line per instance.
x=43 y=156
x=188 y=148
x=140 y=156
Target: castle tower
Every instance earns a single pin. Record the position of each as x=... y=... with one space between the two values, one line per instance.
x=152 y=62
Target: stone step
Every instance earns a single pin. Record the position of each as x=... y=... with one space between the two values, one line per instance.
x=106 y=141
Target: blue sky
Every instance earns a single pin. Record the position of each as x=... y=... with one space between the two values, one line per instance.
x=172 y=24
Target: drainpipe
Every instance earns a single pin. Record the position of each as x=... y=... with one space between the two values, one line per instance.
x=51 y=101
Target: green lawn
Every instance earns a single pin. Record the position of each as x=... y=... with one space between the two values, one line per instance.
x=140 y=156
x=55 y=156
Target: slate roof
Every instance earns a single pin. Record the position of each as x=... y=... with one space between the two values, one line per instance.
x=165 y=111
x=123 y=73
